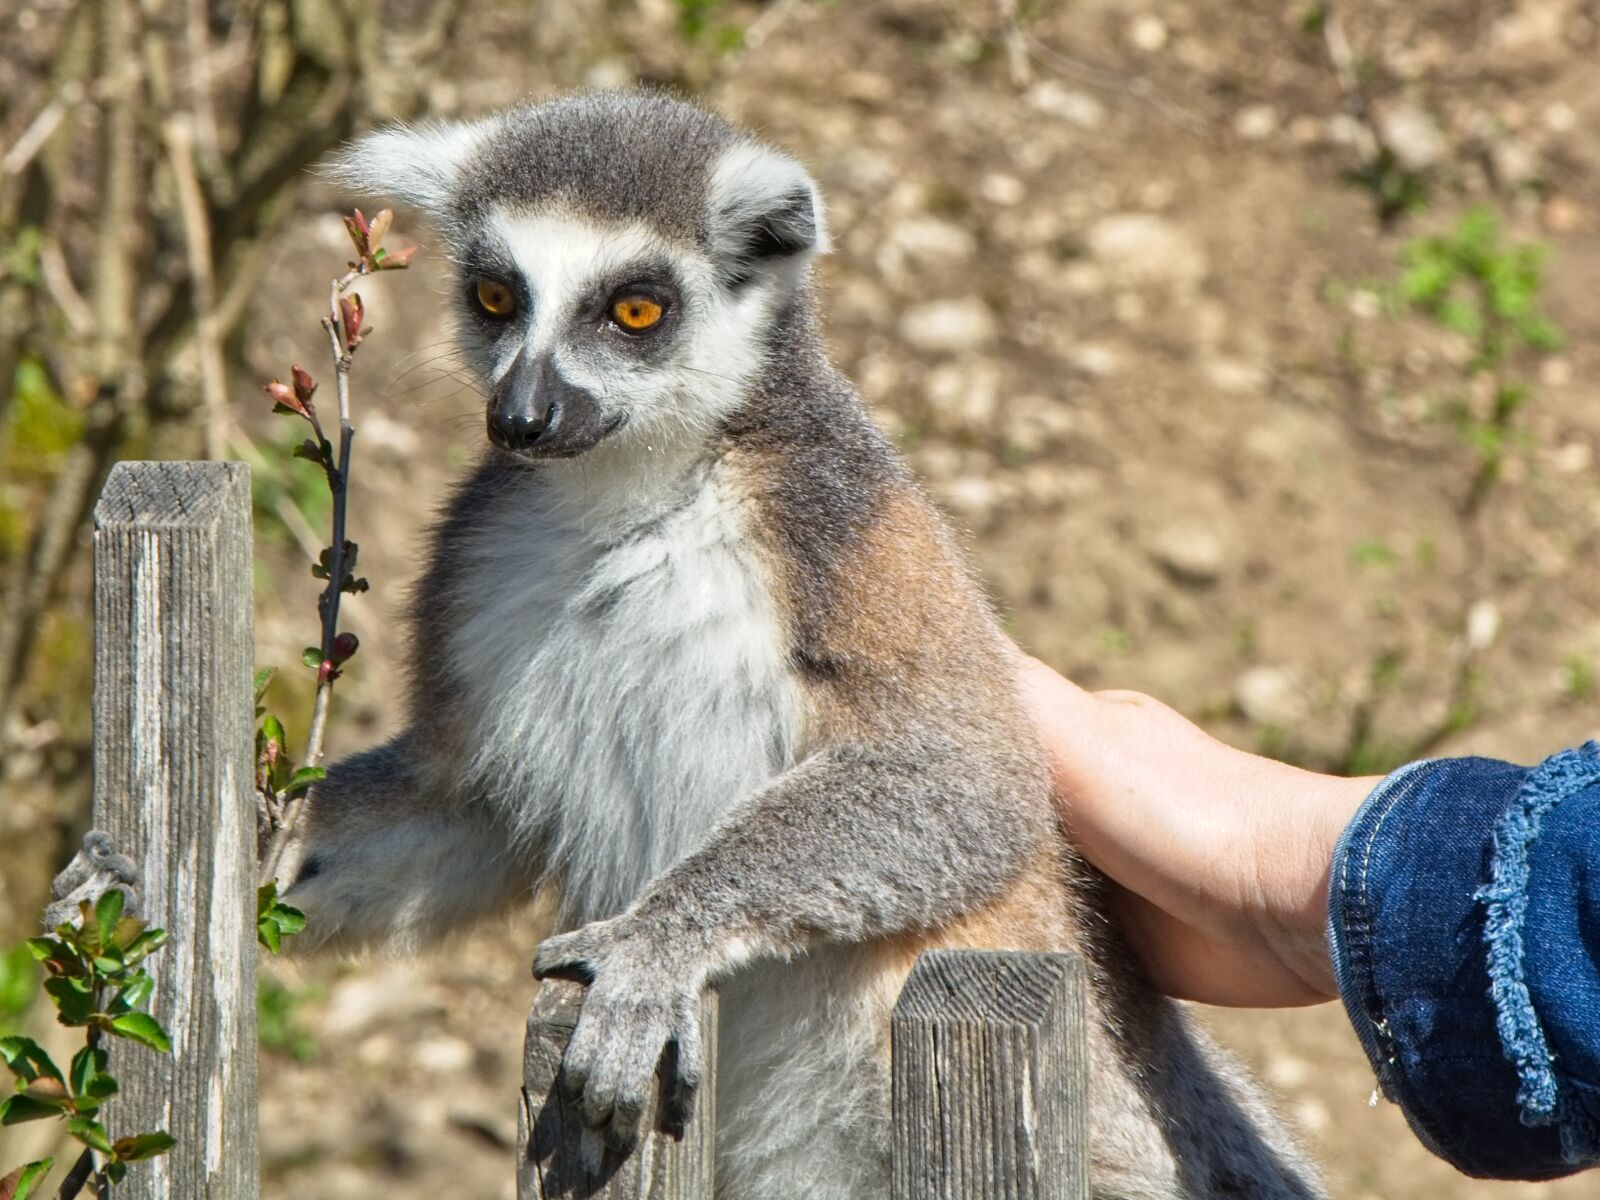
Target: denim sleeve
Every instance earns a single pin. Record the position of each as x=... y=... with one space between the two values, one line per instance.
x=1464 y=921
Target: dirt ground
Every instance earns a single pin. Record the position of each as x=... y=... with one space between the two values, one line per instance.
x=1102 y=274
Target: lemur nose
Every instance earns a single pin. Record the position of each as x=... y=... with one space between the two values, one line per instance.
x=513 y=431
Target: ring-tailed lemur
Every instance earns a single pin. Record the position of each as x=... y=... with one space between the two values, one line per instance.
x=693 y=647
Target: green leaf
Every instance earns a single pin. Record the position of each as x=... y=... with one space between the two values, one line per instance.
x=91 y=1133
x=107 y=912
x=135 y=992
x=86 y=1064
x=29 y=1060
x=142 y=1145
x=20 y=1184
x=142 y=1028
x=273 y=728
x=304 y=778
x=146 y=944
x=312 y=657
x=128 y=931
x=115 y=1171
x=43 y=948
x=73 y=998
x=267 y=934
x=14 y=1110
x=289 y=919
x=101 y=1087
x=262 y=681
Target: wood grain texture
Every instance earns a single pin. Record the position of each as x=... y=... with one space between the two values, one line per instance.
x=560 y=1158
x=991 y=1078
x=173 y=731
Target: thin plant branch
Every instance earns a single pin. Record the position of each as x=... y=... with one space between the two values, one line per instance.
x=179 y=137
x=342 y=324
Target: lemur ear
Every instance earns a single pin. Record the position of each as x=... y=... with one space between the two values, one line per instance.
x=766 y=214
x=416 y=165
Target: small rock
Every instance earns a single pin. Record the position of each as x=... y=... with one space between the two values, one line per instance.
x=1234 y=376
x=951 y=326
x=1513 y=163
x=931 y=240
x=963 y=395
x=362 y=1001
x=973 y=496
x=1148 y=32
x=1574 y=458
x=1483 y=625
x=1095 y=359
x=1269 y=696
x=444 y=1055
x=1145 y=248
x=1559 y=117
x=1004 y=190
x=1413 y=136
x=1256 y=122
x=1364 y=304
x=1189 y=554
x=1076 y=108
x=1555 y=371
x=1312 y=1114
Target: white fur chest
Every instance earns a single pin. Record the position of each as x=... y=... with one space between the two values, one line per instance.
x=628 y=681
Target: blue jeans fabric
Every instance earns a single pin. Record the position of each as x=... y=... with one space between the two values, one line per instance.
x=1464 y=921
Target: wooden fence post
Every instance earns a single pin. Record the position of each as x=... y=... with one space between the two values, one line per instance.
x=991 y=1078
x=560 y=1158
x=173 y=731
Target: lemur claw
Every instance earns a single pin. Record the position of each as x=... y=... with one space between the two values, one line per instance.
x=640 y=1018
x=96 y=869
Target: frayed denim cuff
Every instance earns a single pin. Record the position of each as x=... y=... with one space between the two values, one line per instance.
x=1463 y=906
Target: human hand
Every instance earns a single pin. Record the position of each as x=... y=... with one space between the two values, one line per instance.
x=1218 y=859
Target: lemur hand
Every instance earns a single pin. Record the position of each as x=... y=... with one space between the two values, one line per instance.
x=95 y=870
x=642 y=1010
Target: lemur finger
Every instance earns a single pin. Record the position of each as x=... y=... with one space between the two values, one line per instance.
x=680 y=1085
x=96 y=846
x=565 y=956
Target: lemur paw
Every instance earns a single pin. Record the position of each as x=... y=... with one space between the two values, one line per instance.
x=95 y=870
x=640 y=1014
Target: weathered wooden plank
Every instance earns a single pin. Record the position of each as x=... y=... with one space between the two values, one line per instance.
x=560 y=1158
x=991 y=1078
x=173 y=736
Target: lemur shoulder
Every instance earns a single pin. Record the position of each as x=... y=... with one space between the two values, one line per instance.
x=693 y=647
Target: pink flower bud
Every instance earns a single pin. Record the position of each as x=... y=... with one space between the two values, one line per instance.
x=304 y=385
x=284 y=399
x=351 y=313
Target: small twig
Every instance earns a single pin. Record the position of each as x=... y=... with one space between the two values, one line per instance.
x=1138 y=86
x=1370 y=138
x=78 y=1176
x=179 y=137
x=57 y=276
x=1016 y=43
x=39 y=129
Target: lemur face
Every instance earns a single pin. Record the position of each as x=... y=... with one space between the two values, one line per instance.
x=621 y=261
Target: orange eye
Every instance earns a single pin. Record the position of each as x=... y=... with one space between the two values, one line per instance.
x=495 y=298
x=636 y=313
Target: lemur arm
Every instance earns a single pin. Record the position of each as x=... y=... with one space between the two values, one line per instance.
x=385 y=857
x=852 y=844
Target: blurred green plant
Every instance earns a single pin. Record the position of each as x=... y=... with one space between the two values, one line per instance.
x=1474 y=282
x=19 y=980
x=97 y=982
x=278 y=1029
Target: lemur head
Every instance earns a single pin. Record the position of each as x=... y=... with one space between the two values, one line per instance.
x=622 y=259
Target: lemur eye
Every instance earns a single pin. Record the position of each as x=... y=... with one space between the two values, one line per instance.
x=636 y=313
x=495 y=298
